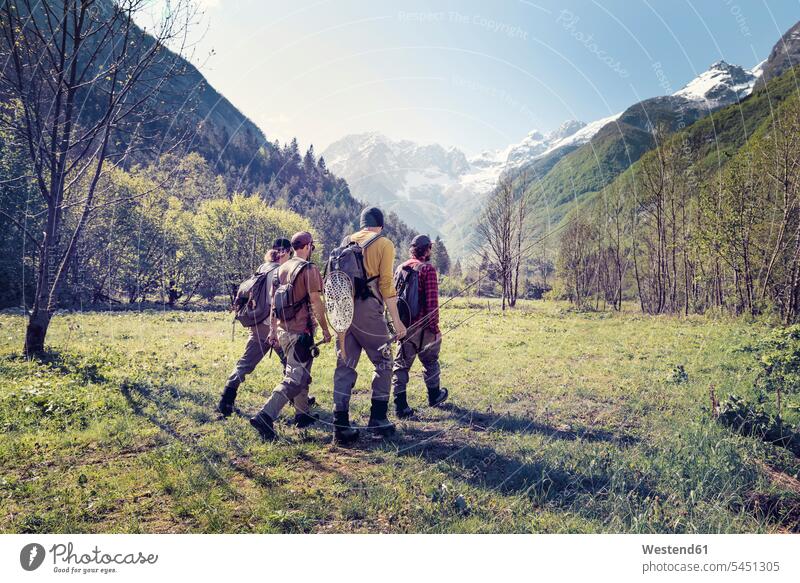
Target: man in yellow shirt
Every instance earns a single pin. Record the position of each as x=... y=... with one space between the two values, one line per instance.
x=368 y=332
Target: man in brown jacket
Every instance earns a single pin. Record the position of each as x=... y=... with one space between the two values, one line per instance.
x=300 y=288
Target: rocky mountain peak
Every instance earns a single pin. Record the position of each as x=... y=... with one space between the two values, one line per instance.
x=566 y=129
x=784 y=55
x=721 y=84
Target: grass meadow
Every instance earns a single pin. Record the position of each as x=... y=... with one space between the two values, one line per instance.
x=559 y=421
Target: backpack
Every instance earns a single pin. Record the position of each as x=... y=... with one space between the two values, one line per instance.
x=284 y=305
x=410 y=301
x=349 y=258
x=252 y=301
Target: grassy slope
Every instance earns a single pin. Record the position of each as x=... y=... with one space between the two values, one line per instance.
x=560 y=422
x=588 y=169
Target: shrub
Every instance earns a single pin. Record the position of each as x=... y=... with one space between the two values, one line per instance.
x=753 y=420
x=780 y=364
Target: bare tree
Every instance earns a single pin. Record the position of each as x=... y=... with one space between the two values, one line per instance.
x=615 y=231
x=577 y=264
x=83 y=89
x=495 y=230
x=502 y=231
x=520 y=248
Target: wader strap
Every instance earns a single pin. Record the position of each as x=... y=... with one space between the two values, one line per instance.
x=371 y=241
x=293 y=275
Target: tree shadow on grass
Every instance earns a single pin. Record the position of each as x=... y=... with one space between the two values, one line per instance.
x=485 y=468
x=450 y=451
x=139 y=395
x=486 y=421
x=169 y=398
x=87 y=369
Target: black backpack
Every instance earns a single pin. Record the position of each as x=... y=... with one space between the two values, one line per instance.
x=284 y=305
x=252 y=301
x=349 y=258
x=410 y=302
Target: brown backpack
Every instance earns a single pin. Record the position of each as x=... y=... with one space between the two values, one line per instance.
x=284 y=305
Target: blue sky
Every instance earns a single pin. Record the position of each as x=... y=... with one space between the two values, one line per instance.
x=476 y=75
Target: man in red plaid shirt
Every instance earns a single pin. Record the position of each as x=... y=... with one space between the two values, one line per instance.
x=424 y=338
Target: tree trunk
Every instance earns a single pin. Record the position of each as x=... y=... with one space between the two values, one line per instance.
x=36 y=332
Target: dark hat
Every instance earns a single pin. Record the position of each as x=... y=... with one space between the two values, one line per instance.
x=301 y=239
x=371 y=217
x=280 y=244
x=421 y=241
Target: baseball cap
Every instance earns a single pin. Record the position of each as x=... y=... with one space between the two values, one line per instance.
x=421 y=241
x=281 y=244
x=301 y=239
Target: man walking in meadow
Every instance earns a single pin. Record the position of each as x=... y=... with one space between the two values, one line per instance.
x=296 y=302
x=258 y=341
x=369 y=331
x=418 y=291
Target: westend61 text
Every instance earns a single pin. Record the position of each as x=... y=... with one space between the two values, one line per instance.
x=672 y=550
x=65 y=554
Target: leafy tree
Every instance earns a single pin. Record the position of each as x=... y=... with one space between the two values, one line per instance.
x=122 y=252
x=576 y=261
x=228 y=239
x=780 y=364
x=440 y=259
x=456 y=272
x=189 y=178
x=20 y=203
x=309 y=162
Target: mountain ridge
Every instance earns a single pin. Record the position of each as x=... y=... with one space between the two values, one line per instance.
x=582 y=157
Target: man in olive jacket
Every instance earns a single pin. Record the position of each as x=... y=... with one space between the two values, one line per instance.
x=258 y=341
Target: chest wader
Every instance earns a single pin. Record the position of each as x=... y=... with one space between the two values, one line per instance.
x=296 y=378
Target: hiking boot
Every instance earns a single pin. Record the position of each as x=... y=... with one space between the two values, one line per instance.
x=405 y=412
x=401 y=407
x=378 y=422
x=303 y=420
x=263 y=424
x=437 y=396
x=225 y=406
x=343 y=434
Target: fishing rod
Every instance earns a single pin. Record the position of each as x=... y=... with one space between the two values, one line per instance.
x=425 y=320
x=451 y=328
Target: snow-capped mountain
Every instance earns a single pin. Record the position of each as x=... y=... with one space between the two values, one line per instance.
x=722 y=84
x=429 y=185
x=438 y=190
x=401 y=176
x=536 y=143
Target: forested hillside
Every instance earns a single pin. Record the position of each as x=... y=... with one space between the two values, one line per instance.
x=709 y=219
x=560 y=182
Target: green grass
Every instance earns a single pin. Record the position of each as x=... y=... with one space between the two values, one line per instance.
x=559 y=422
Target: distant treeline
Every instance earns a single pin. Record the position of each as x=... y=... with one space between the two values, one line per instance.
x=170 y=231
